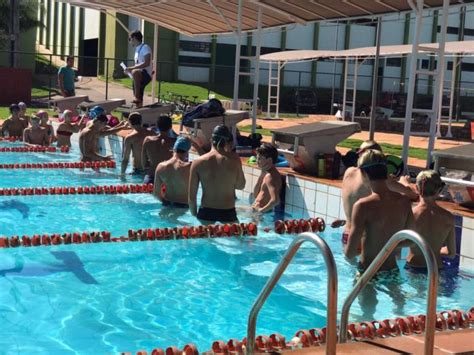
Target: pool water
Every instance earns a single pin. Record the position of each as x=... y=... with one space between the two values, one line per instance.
x=107 y=298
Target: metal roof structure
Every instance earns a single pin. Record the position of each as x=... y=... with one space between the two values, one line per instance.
x=201 y=17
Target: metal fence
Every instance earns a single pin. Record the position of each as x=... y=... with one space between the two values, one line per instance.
x=219 y=79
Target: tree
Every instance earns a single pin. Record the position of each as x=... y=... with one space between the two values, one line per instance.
x=25 y=12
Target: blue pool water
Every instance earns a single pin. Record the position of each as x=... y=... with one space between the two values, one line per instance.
x=107 y=298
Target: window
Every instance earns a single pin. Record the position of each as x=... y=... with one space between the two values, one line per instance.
x=394 y=62
x=192 y=46
x=194 y=61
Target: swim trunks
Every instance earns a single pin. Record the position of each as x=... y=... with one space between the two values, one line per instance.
x=345 y=237
x=138 y=171
x=383 y=275
x=64 y=133
x=174 y=204
x=217 y=215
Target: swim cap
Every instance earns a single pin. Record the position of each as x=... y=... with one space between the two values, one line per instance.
x=182 y=143
x=429 y=183
x=21 y=105
x=14 y=107
x=222 y=132
x=96 y=111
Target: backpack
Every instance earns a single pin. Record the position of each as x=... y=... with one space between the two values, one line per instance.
x=212 y=108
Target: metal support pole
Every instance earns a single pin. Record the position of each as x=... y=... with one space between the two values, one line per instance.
x=334 y=70
x=354 y=90
x=256 y=77
x=344 y=95
x=269 y=100
x=375 y=81
x=438 y=94
x=155 y=64
x=106 y=78
x=412 y=79
x=277 y=110
x=456 y=62
x=238 y=44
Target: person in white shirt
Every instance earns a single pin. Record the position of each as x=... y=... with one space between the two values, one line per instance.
x=142 y=70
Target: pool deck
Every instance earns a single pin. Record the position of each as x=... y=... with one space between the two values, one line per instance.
x=447 y=342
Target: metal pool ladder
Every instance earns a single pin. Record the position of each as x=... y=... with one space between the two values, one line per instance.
x=331 y=337
x=432 y=266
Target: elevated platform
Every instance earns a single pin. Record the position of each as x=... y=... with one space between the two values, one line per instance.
x=202 y=128
x=150 y=113
x=67 y=103
x=107 y=105
x=300 y=144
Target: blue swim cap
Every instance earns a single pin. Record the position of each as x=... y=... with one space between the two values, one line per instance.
x=182 y=143
x=96 y=111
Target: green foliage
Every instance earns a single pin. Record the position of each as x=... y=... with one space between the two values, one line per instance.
x=28 y=18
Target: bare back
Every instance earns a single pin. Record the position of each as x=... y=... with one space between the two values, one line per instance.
x=375 y=219
x=219 y=176
x=135 y=141
x=89 y=143
x=436 y=225
x=354 y=187
x=15 y=127
x=156 y=150
x=174 y=173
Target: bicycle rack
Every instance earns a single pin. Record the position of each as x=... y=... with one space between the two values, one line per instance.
x=432 y=266
x=278 y=272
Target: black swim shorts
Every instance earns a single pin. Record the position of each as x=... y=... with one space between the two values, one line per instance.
x=174 y=204
x=146 y=78
x=217 y=215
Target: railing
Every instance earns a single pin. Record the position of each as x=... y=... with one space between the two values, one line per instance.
x=432 y=266
x=331 y=337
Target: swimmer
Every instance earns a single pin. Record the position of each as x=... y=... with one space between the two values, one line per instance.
x=89 y=138
x=66 y=129
x=355 y=186
x=157 y=149
x=14 y=125
x=36 y=135
x=432 y=222
x=373 y=222
x=173 y=174
x=133 y=143
x=22 y=112
x=44 y=117
x=220 y=173
x=268 y=187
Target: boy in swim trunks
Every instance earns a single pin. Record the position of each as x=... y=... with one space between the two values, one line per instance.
x=355 y=186
x=36 y=135
x=133 y=143
x=432 y=222
x=220 y=174
x=173 y=175
x=157 y=149
x=14 y=125
x=268 y=187
x=377 y=217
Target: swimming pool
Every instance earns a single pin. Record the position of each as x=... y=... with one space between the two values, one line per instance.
x=115 y=297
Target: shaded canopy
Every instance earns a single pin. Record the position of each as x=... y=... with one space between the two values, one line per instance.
x=199 y=17
x=452 y=48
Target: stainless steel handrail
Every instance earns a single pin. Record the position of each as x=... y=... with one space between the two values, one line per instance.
x=432 y=266
x=331 y=337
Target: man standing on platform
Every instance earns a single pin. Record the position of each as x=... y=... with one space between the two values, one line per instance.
x=142 y=70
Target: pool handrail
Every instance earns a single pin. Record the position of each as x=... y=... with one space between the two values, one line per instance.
x=432 y=266
x=331 y=335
